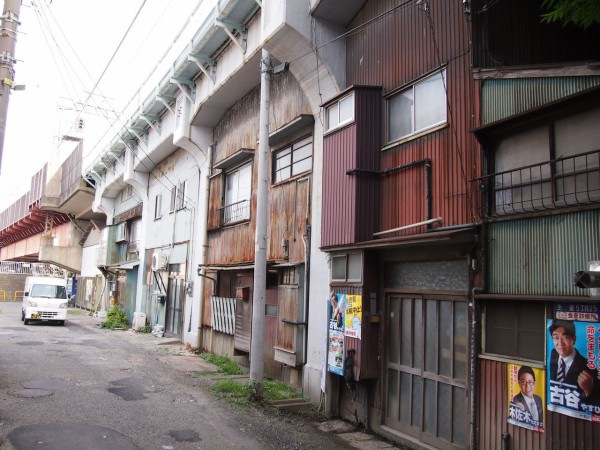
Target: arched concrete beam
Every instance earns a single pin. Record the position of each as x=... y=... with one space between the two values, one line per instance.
x=321 y=72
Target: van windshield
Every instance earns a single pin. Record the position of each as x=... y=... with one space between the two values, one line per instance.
x=48 y=291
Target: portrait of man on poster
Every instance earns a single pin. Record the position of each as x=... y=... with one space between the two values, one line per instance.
x=568 y=366
x=526 y=400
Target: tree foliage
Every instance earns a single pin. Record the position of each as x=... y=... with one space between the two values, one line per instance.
x=581 y=13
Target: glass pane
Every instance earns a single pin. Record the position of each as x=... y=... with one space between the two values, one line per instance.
x=429 y=419
x=347 y=109
x=444 y=411
x=417 y=399
x=431 y=337
x=406 y=329
x=303 y=149
x=460 y=340
x=245 y=183
x=302 y=166
x=392 y=394
x=459 y=416
x=354 y=266
x=332 y=116
x=430 y=102
x=405 y=397
x=231 y=188
x=283 y=160
x=418 y=334
x=394 y=331
x=400 y=115
x=446 y=338
x=338 y=267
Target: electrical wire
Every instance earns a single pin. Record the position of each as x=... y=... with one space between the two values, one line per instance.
x=46 y=28
x=427 y=10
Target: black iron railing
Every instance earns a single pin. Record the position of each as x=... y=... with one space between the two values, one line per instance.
x=559 y=183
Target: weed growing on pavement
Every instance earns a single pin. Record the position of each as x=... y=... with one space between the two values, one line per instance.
x=239 y=394
x=144 y=329
x=224 y=365
x=76 y=312
x=115 y=318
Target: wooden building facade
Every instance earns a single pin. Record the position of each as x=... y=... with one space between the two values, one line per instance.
x=232 y=225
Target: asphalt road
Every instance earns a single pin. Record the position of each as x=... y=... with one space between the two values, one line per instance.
x=80 y=387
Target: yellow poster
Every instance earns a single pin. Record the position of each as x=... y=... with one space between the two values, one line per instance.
x=526 y=397
x=353 y=316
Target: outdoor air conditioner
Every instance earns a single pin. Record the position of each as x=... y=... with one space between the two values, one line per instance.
x=159 y=261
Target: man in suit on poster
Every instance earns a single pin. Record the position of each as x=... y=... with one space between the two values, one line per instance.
x=526 y=399
x=568 y=366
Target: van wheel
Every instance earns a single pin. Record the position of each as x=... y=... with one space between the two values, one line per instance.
x=22 y=315
x=26 y=321
x=61 y=323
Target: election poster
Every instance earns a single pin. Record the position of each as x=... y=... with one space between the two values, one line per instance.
x=526 y=392
x=336 y=306
x=353 y=316
x=573 y=363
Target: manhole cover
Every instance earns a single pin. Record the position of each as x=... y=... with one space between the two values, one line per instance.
x=185 y=436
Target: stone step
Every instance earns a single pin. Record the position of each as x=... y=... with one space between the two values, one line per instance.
x=293 y=404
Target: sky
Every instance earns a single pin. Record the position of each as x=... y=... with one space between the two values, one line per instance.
x=70 y=53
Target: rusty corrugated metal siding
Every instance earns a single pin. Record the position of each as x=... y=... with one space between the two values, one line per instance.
x=502 y=98
x=351 y=201
x=562 y=432
x=403 y=46
x=539 y=256
x=339 y=202
x=511 y=33
x=492 y=408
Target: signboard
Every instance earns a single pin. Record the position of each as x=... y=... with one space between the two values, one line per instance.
x=336 y=305
x=353 y=316
x=526 y=391
x=582 y=312
x=573 y=352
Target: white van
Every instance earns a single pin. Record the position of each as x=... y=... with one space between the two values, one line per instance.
x=45 y=298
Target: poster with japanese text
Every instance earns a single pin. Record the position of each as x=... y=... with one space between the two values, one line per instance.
x=353 y=316
x=526 y=392
x=573 y=360
x=336 y=306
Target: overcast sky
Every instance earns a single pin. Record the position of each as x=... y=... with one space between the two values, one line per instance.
x=62 y=50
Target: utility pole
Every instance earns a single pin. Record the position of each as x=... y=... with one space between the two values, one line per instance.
x=257 y=343
x=8 y=41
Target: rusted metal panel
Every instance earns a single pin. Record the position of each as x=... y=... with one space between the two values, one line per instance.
x=243 y=316
x=530 y=41
x=215 y=201
x=405 y=45
x=273 y=369
x=288 y=311
x=493 y=411
x=351 y=200
x=539 y=256
x=289 y=215
x=562 y=432
x=502 y=98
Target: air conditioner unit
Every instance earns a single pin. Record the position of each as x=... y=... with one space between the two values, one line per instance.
x=159 y=261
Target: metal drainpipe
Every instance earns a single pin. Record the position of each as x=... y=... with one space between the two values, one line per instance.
x=203 y=244
x=475 y=343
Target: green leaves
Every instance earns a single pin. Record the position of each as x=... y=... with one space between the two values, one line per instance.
x=581 y=13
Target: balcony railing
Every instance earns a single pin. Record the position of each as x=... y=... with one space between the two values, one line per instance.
x=559 y=183
x=235 y=212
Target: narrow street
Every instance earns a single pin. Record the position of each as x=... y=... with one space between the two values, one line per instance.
x=82 y=387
